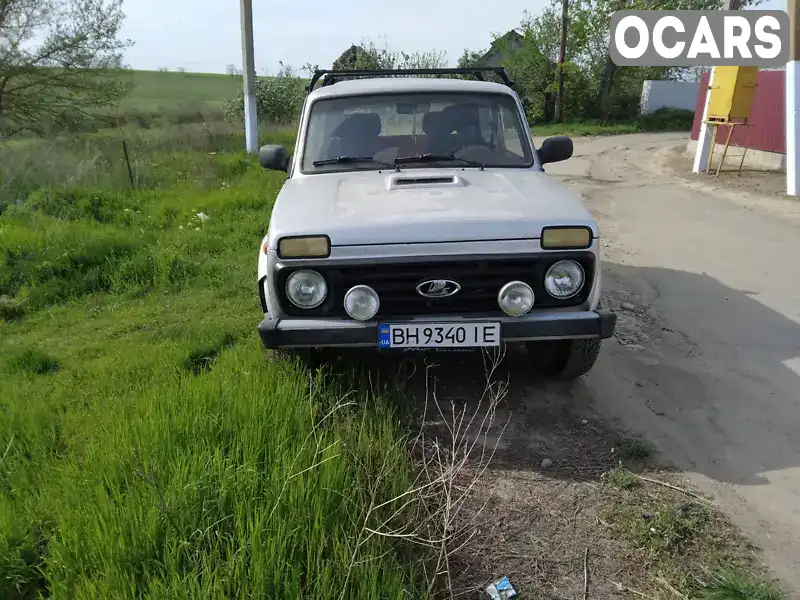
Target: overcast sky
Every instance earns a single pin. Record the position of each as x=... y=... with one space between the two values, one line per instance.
x=204 y=35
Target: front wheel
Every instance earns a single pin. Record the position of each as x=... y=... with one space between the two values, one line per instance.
x=563 y=359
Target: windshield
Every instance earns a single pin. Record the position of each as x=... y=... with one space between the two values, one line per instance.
x=459 y=130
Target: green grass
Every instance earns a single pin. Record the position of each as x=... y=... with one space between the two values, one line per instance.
x=731 y=584
x=149 y=447
x=621 y=478
x=633 y=449
x=691 y=549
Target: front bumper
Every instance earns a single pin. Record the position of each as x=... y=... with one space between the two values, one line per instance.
x=293 y=332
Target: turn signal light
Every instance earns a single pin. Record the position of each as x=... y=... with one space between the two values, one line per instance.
x=566 y=238
x=316 y=246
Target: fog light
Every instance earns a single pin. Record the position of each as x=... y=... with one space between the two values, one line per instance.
x=564 y=279
x=515 y=298
x=306 y=289
x=361 y=303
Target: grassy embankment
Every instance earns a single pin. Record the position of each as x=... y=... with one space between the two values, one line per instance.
x=147 y=446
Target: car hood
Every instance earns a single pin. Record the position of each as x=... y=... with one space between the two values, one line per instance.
x=425 y=205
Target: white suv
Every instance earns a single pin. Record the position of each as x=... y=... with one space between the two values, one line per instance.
x=416 y=214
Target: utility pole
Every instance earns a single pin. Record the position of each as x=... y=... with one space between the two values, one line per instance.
x=249 y=78
x=792 y=78
x=562 y=52
x=704 y=140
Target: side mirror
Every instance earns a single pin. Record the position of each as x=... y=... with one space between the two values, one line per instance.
x=555 y=149
x=274 y=157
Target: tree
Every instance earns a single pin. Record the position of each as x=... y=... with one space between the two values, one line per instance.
x=595 y=18
x=470 y=59
x=594 y=87
x=278 y=99
x=562 y=52
x=368 y=56
x=60 y=62
x=532 y=65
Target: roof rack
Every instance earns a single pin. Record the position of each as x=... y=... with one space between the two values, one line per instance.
x=329 y=76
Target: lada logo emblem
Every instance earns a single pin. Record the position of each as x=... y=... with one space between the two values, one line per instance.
x=438 y=288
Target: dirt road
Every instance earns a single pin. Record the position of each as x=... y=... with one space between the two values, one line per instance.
x=707 y=364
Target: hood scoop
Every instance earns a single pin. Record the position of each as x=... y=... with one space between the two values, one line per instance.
x=404 y=180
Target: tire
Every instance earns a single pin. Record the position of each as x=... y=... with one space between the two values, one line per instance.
x=565 y=360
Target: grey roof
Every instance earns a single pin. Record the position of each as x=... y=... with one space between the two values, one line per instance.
x=375 y=85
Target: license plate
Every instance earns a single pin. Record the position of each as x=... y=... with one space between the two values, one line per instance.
x=438 y=335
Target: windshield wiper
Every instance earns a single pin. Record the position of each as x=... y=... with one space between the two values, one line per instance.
x=428 y=157
x=340 y=160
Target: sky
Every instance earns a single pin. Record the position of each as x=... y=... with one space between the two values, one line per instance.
x=205 y=35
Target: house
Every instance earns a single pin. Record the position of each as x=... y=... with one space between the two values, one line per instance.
x=501 y=48
x=505 y=46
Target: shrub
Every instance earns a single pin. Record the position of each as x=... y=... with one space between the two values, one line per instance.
x=666 y=119
x=278 y=100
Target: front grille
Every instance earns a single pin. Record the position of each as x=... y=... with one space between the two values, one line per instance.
x=480 y=280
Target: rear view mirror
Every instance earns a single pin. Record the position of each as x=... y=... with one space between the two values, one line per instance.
x=274 y=157
x=555 y=149
x=411 y=108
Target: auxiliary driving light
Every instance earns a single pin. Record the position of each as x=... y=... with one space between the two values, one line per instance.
x=306 y=289
x=361 y=303
x=564 y=279
x=515 y=298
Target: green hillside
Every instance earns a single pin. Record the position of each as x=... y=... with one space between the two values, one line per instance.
x=170 y=97
x=154 y=90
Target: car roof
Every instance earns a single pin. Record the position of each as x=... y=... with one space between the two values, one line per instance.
x=382 y=85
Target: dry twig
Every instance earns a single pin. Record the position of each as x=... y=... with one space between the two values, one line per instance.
x=449 y=471
x=674 y=487
x=586 y=574
x=622 y=588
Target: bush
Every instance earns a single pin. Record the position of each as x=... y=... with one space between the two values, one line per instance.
x=666 y=119
x=278 y=100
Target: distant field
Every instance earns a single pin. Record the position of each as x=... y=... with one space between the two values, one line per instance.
x=156 y=90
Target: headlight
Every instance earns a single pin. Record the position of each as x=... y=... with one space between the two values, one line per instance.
x=314 y=246
x=361 y=303
x=572 y=238
x=306 y=289
x=515 y=298
x=564 y=279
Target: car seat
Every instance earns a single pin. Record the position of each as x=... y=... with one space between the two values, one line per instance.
x=436 y=132
x=357 y=135
x=463 y=119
